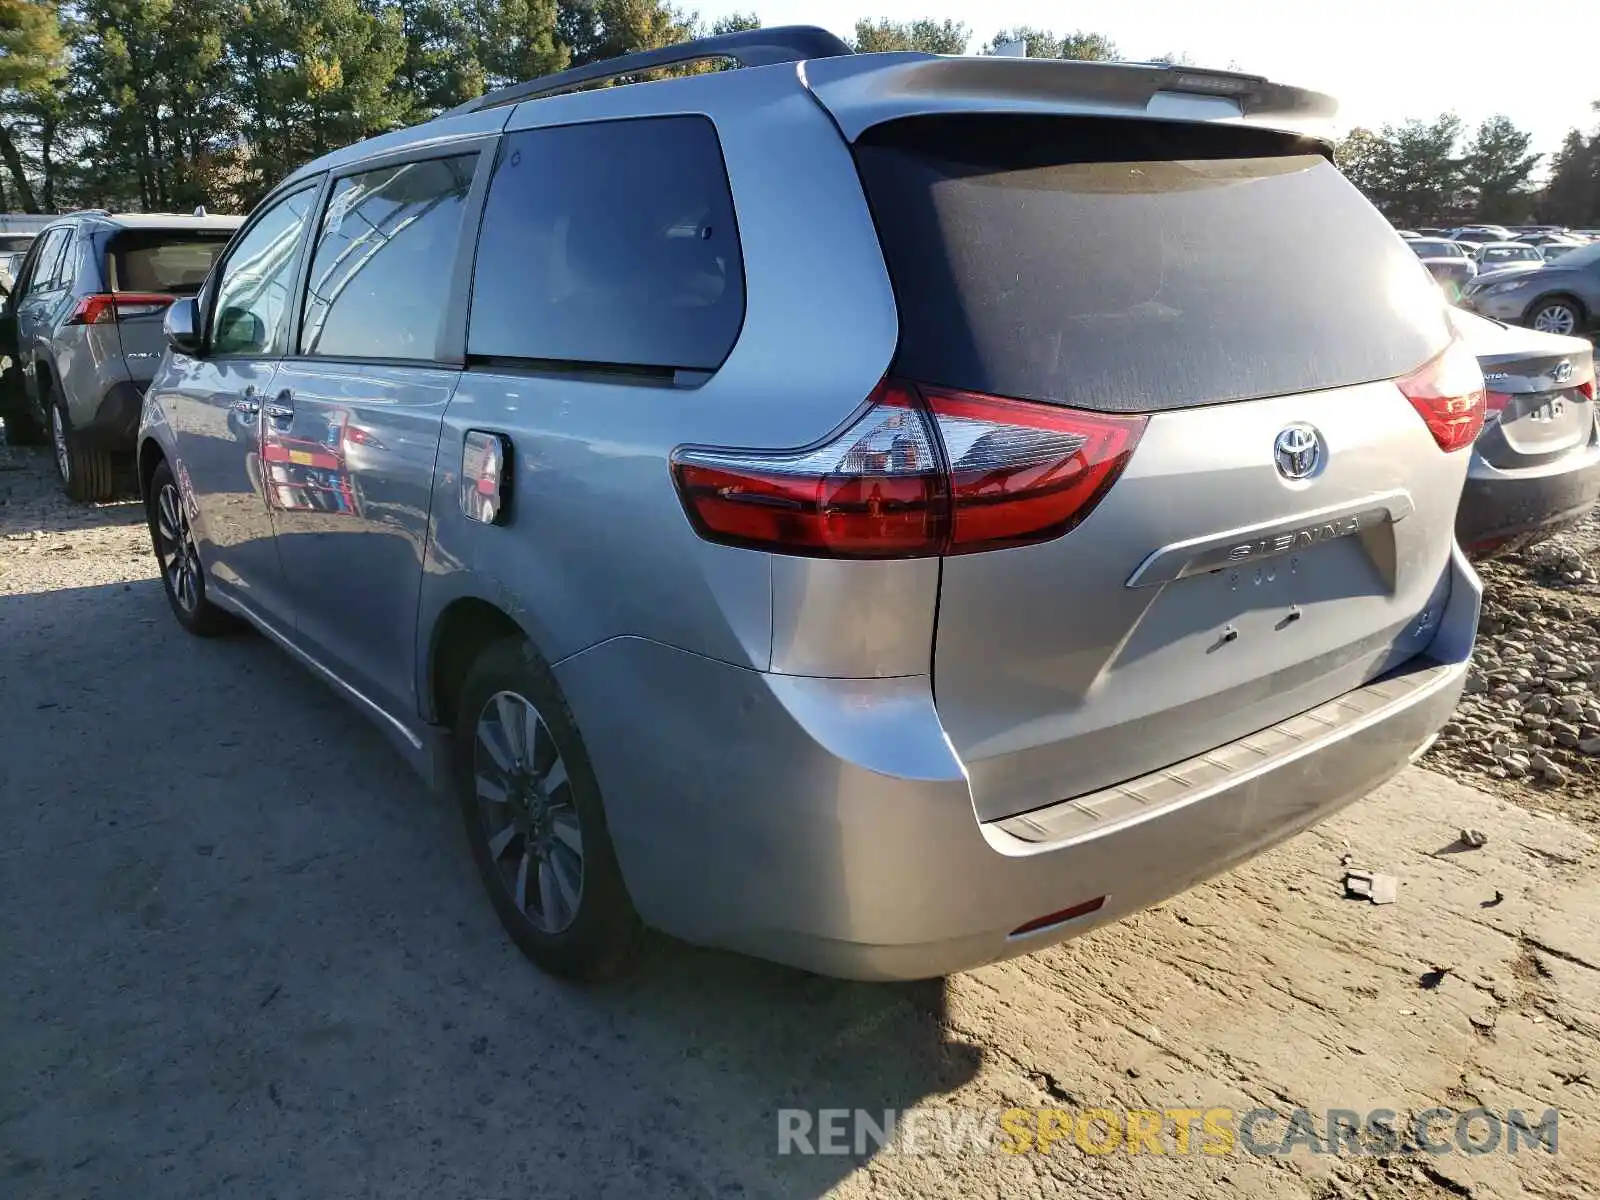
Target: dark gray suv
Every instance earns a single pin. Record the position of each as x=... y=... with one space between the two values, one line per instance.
x=82 y=328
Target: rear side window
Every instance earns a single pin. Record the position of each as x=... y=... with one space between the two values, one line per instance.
x=153 y=261
x=1131 y=266
x=380 y=278
x=610 y=244
x=47 y=272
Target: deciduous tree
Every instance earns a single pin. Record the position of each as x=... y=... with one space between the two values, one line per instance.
x=926 y=36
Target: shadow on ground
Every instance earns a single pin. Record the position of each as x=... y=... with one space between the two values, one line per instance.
x=245 y=953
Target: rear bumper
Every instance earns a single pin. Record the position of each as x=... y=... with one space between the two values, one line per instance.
x=826 y=823
x=115 y=422
x=1502 y=510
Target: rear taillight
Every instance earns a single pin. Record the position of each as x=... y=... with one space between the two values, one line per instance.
x=922 y=472
x=1586 y=389
x=1494 y=406
x=104 y=308
x=1448 y=395
x=1022 y=472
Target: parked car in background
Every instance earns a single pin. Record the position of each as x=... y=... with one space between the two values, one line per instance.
x=1559 y=297
x=1501 y=256
x=1536 y=465
x=10 y=263
x=1037 y=575
x=1479 y=235
x=1555 y=250
x=1448 y=262
x=84 y=326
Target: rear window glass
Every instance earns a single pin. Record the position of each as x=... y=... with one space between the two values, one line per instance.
x=163 y=262
x=1511 y=254
x=10 y=242
x=610 y=244
x=1436 y=249
x=1137 y=265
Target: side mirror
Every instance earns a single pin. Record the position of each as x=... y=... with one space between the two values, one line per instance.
x=181 y=326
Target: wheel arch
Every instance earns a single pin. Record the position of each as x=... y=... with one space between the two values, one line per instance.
x=44 y=383
x=464 y=628
x=1584 y=312
x=150 y=456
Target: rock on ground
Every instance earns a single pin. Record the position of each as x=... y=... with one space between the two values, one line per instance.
x=1529 y=726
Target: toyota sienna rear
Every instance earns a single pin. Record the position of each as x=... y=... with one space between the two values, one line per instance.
x=889 y=512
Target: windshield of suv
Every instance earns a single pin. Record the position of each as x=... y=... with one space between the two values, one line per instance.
x=161 y=261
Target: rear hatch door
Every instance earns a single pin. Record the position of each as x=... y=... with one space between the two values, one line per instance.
x=1235 y=288
x=145 y=270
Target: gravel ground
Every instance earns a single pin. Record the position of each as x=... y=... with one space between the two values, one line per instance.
x=243 y=953
x=1529 y=727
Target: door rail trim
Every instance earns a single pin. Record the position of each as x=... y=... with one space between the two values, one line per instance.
x=248 y=613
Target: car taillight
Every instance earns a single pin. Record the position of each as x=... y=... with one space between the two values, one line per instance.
x=1024 y=472
x=1448 y=394
x=105 y=308
x=1586 y=389
x=922 y=472
x=1494 y=406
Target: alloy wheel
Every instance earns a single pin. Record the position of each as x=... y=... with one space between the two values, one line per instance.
x=526 y=812
x=58 y=437
x=1555 y=318
x=176 y=550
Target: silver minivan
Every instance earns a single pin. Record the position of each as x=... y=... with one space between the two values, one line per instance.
x=846 y=509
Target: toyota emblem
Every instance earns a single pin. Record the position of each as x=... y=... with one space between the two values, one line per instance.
x=1297 y=451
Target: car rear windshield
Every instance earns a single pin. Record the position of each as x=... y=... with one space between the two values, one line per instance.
x=1132 y=266
x=1435 y=249
x=10 y=242
x=1511 y=254
x=163 y=262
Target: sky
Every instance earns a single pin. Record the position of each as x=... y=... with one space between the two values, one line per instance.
x=1383 y=60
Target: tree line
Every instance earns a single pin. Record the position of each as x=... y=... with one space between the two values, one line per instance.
x=1435 y=173
x=160 y=105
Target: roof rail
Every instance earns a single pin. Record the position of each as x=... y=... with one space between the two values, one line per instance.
x=747 y=47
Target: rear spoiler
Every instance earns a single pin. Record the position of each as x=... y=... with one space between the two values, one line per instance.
x=863 y=90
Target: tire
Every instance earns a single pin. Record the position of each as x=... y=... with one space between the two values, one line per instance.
x=1555 y=314
x=164 y=508
x=574 y=918
x=86 y=472
x=22 y=429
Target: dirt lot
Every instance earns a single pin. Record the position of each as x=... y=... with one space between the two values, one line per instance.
x=244 y=954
